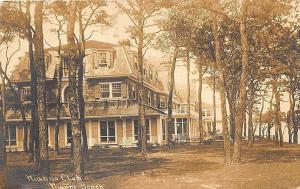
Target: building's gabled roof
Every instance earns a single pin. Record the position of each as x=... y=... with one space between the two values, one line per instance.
x=90 y=44
x=123 y=64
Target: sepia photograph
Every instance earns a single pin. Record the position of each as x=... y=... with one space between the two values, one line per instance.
x=149 y=94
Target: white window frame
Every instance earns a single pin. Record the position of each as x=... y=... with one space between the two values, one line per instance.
x=162 y=100
x=110 y=84
x=103 y=64
x=9 y=140
x=112 y=90
x=99 y=131
x=109 y=91
x=133 y=134
x=181 y=125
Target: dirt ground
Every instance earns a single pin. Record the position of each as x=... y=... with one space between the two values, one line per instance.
x=186 y=166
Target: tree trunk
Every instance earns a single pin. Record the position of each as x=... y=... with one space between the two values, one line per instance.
x=188 y=70
x=73 y=102
x=41 y=89
x=58 y=103
x=269 y=131
x=214 y=103
x=170 y=99
x=250 y=119
x=2 y=145
x=278 y=130
x=292 y=110
x=243 y=87
x=260 y=118
x=200 y=100
x=232 y=106
x=227 y=158
x=141 y=91
x=34 y=128
x=85 y=149
x=80 y=89
x=245 y=125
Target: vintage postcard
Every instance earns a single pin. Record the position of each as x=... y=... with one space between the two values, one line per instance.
x=130 y=94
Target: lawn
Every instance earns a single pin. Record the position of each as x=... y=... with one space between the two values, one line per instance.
x=185 y=166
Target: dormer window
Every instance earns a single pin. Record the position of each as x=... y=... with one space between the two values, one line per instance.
x=102 y=59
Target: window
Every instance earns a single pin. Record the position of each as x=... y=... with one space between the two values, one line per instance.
x=203 y=113
x=133 y=92
x=69 y=133
x=107 y=132
x=104 y=88
x=183 y=109
x=136 y=130
x=208 y=113
x=111 y=90
x=116 y=90
x=102 y=59
x=26 y=94
x=162 y=102
x=11 y=135
x=181 y=124
x=155 y=100
x=65 y=68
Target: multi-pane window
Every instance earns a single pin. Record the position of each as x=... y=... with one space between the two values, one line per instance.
x=11 y=135
x=69 y=133
x=203 y=113
x=107 y=132
x=133 y=92
x=102 y=59
x=162 y=102
x=111 y=90
x=104 y=88
x=183 y=109
x=181 y=124
x=136 y=129
x=65 y=68
x=116 y=90
x=26 y=94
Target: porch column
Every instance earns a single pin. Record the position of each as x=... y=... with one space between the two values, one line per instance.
x=159 y=129
x=124 y=132
x=90 y=136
